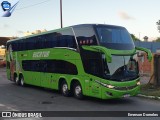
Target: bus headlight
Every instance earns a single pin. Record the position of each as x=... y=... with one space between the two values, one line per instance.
x=105 y=85
x=110 y=86
x=138 y=83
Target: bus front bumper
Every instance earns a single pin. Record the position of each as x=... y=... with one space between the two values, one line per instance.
x=113 y=93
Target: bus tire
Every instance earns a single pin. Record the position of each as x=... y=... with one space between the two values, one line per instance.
x=64 y=89
x=22 y=81
x=16 y=79
x=77 y=90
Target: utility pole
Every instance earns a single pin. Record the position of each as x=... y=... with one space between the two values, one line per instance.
x=61 y=19
x=139 y=35
x=158 y=25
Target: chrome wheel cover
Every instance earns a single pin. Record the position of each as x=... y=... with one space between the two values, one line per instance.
x=78 y=90
x=64 y=88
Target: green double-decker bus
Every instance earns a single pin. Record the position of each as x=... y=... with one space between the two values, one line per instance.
x=94 y=60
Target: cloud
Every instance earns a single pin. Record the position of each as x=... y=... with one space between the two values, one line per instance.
x=125 y=16
x=6 y=26
x=20 y=32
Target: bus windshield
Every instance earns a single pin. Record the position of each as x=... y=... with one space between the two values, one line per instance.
x=114 y=37
x=122 y=68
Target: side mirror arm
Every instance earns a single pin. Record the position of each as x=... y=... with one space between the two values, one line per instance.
x=149 y=53
x=100 y=49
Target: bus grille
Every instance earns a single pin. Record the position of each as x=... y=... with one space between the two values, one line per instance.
x=125 y=88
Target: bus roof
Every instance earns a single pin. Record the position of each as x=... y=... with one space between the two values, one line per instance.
x=90 y=25
x=74 y=26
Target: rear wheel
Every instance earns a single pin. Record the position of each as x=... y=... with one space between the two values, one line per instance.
x=22 y=81
x=64 y=89
x=78 y=91
x=16 y=79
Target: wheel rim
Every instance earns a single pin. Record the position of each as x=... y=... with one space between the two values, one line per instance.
x=78 y=90
x=64 y=88
x=17 y=80
x=22 y=81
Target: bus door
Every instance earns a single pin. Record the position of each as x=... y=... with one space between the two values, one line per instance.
x=92 y=63
x=94 y=82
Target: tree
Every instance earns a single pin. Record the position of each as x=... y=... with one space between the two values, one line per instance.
x=134 y=37
x=158 y=25
x=158 y=39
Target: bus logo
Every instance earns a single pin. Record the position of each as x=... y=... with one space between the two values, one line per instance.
x=41 y=54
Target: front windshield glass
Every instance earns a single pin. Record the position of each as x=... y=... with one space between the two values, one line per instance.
x=114 y=37
x=122 y=68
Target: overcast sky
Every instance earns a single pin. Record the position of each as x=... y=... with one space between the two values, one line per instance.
x=138 y=16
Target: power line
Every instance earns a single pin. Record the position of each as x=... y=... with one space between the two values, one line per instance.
x=33 y=5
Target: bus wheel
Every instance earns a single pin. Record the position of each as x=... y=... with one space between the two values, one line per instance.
x=64 y=88
x=78 y=91
x=17 y=80
x=22 y=81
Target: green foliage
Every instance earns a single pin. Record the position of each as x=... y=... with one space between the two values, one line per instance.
x=158 y=39
x=134 y=37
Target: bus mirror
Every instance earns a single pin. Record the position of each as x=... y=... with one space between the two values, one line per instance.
x=100 y=49
x=149 y=53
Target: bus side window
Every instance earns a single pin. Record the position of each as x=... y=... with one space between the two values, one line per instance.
x=71 y=42
x=62 y=41
x=51 y=40
x=39 y=42
x=30 y=43
x=68 y=39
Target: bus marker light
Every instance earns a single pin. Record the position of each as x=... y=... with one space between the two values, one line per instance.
x=110 y=86
x=138 y=83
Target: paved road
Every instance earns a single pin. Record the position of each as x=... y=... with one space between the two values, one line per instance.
x=16 y=98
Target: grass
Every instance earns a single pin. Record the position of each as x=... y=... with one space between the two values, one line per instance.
x=150 y=90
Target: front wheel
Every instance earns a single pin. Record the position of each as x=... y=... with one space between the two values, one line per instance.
x=78 y=91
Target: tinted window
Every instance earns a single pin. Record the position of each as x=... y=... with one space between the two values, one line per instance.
x=30 y=43
x=62 y=41
x=31 y=65
x=51 y=40
x=50 y=66
x=67 y=38
x=40 y=42
x=114 y=37
x=85 y=36
x=63 y=38
x=92 y=62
